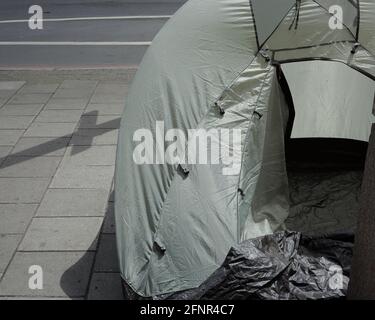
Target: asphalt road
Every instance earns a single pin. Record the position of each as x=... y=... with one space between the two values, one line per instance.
x=80 y=33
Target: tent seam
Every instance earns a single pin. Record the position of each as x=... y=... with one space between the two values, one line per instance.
x=254 y=22
x=247 y=135
x=277 y=27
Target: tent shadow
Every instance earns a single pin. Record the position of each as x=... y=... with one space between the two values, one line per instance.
x=95 y=276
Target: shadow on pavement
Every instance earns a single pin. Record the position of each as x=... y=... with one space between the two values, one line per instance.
x=60 y=143
x=103 y=281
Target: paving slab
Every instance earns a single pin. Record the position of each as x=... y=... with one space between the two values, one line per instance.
x=106 y=257
x=105 y=286
x=3 y=101
x=86 y=168
x=39 y=88
x=10 y=137
x=93 y=156
x=65 y=274
x=20 y=109
x=38 y=129
x=66 y=104
x=15 y=122
x=41 y=146
x=100 y=122
x=105 y=84
x=108 y=97
x=29 y=167
x=22 y=190
x=62 y=234
x=87 y=137
x=109 y=220
x=79 y=84
x=16 y=217
x=112 y=87
x=11 y=85
x=4 y=151
x=8 y=245
x=106 y=108
x=32 y=98
x=73 y=202
x=61 y=116
x=83 y=177
x=5 y=95
x=73 y=93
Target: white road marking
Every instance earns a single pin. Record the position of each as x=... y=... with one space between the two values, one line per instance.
x=67 y=67
x=75 y=43
x=90 y=18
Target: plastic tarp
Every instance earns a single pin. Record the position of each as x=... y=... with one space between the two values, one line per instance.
x=282 y=266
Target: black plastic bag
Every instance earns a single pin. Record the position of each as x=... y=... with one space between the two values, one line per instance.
x=282 y=266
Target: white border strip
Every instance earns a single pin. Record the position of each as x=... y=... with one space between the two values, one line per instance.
x=74 y=43
x=90 y=18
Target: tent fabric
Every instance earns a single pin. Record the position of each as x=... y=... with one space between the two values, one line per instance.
x=312 y=109
x=173 y=231
x=266 y=19
x=323 y=202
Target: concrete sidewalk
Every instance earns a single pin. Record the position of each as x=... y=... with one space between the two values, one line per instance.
x=57 y=155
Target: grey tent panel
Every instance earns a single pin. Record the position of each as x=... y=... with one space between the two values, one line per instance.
x=267 y=18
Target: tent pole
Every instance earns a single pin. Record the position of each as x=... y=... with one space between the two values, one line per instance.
x=362 y=280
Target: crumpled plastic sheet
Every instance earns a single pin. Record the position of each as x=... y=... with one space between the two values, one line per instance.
x=282 y=266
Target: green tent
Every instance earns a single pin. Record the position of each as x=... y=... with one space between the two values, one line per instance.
x=220 y=64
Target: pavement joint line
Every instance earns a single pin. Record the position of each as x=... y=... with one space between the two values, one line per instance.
x=66 y=68
x=49 y=178
x=76 y=43
x=20 y=202
x=99 y=236
x=58 y=251
x=144 y=17
x=73 y=188
x=40 y=297
x=98 y=243
x=9 y=99
x=94 y=250
x=56 y=217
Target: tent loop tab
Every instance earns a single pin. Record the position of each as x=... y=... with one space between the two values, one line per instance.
x=159 y=244
x=183 y=169
x=259 y=115
x=220 y=107
x=355 y=47
x=240 y=191
x=265 y=55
